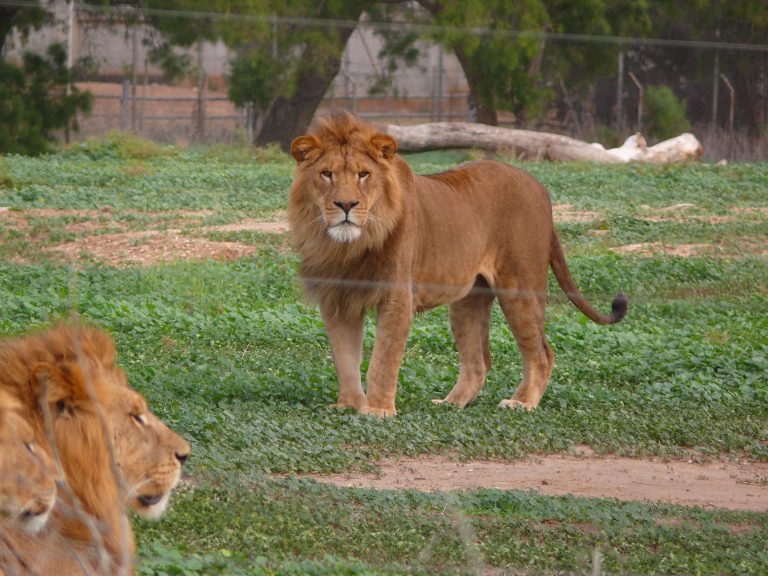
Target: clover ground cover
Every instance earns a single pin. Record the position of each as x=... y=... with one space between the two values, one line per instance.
x=229 y=356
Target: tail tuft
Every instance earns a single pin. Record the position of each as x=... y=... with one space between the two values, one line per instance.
x=618 y=308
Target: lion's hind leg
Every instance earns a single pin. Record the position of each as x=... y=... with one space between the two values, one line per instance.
x=471 y=322
x=524 y=312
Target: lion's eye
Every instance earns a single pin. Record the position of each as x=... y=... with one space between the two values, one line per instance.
x=30 y=446
x=327 y=174
x=140 y=419
x=363 y=175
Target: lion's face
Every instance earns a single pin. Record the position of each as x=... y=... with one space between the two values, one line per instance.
x=96 y=416
x=148 y=453
x=344 y=189
x=27 y=473
x=345 y=177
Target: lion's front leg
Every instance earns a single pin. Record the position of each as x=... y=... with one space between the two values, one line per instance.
x=393 y=323
x=346 y=337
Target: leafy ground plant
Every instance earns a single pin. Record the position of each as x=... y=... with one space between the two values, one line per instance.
x=229 y=356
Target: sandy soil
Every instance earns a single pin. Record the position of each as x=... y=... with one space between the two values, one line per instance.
x=150 y=247
x=739 y=246
x=276 y=227
x=736 y=486
x=566 y=214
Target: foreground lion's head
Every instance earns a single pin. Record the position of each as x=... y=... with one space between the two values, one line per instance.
x=113 y=451
x=27 y=473
x=346 y=188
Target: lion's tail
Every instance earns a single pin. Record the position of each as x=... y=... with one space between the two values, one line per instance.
x=564 y=278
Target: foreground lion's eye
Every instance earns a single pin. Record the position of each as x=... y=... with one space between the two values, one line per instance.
x=327 y=174
x=30 y=446
x=140 y=419
x=363 y=175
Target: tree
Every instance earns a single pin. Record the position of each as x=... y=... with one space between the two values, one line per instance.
x=319 y=61
x=35 y=101
x=506 y=67
x=37 y=97
x=284 y=70
x=691 y=74
x=21 y=19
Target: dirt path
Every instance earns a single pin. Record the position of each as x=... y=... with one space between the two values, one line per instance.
x=735 y=486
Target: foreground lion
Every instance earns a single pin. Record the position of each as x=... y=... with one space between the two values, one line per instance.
x=113 y=451
x=372 y=234
x=27 y=473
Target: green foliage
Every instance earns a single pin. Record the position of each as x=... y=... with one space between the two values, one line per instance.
x=664 y=113
x=226 y=354
x=255 y=77
x=123 y=145
x=35 y=102
x=396 y=532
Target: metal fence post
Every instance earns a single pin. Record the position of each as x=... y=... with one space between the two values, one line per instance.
x=124 y=102
x=620 y=95
x=732 y=98
x=640 y=97
x=201 y=93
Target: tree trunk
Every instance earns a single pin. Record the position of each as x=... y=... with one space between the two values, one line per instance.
x=289 y=117
x=485 y=112
x=6 y=23
x=541 y=145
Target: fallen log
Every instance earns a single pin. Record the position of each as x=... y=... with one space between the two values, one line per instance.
x=540 y=145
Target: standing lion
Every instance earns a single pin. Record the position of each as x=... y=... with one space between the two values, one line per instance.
x=372 y=234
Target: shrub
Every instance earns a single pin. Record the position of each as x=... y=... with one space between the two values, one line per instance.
x=664 y=113
x=34 y=102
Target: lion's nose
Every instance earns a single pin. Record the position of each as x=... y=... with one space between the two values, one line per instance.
x=182 y=457
x=346 y=206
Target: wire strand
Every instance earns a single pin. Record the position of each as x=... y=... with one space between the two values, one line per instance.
x=399 y=26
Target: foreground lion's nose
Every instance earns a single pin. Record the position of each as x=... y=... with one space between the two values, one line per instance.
x=182 y=457
x=346 y=206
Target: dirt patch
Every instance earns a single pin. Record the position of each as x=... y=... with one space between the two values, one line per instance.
x=106 y=238
x=566 y=214
x=733 y=247
x=150 y=247
x=682 y=213
x=652 y=248
x=250 y=225
x=735 y=486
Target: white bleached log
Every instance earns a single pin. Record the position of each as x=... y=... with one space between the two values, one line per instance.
x=540 y=145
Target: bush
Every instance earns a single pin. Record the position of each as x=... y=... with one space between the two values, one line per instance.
x=34 y=102
x=664 y=113
x=123 y=145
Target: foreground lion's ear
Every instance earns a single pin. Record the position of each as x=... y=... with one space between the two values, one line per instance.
x=385 y=144
x=305 y=148
x=62 y=386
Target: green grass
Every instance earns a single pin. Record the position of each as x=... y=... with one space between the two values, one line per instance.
x=229 y=356
x=379 y=529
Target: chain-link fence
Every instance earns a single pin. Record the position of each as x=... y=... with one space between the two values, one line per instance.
x=720 y=89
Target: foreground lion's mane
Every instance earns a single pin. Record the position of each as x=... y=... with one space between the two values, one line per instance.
x=113 y=451
x=352 y=276
x=50 y=371
x=27 y=474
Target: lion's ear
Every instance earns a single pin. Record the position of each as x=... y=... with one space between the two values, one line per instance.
x=305 y=148
x=61 y=387
x=385 y=144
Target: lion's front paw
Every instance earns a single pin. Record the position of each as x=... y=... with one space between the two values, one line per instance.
x=349 y=402
x=342 y=406
x=516 y=404
x=380 y=412
x=450 y=402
